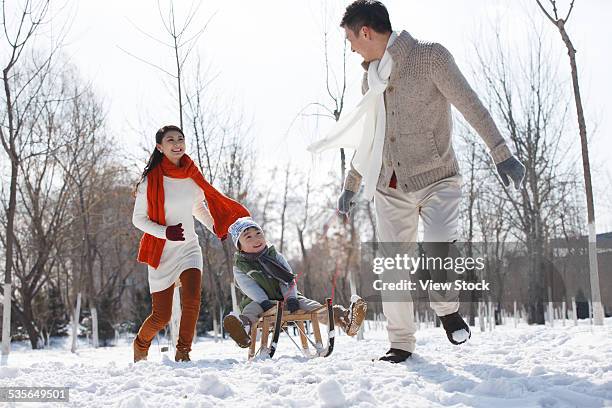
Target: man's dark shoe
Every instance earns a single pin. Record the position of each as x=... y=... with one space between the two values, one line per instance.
x=396 y=356
x=457 y=330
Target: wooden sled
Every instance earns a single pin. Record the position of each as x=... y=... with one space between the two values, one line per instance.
x=270 y=322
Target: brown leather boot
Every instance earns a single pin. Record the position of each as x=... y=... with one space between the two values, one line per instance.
x=138 y=353
x=357 y=315
x=238 y=328
x=181 y=356
x=350 y=320
x=341 y=318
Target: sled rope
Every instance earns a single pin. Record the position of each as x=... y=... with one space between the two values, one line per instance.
x=307 y=338
x=293 y=341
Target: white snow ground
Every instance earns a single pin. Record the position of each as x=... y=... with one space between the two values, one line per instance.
x=509 y=367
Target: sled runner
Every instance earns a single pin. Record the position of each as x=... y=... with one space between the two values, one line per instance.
x=281 y=320
x=278 y=321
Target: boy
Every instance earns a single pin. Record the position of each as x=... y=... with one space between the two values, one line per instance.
x=264 y=276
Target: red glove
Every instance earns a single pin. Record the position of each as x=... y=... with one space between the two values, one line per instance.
x=175 y=232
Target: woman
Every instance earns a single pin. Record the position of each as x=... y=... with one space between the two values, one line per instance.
x=170 y=191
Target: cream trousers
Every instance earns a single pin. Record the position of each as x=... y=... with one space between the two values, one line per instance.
x=397 y=220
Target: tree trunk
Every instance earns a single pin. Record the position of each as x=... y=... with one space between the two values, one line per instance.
x=10 y=238
x=75 y=323
x=94 y=327
x=215 y=325
x=6 y=319
x=305 y=262
x=28 y=323
x=598 y=312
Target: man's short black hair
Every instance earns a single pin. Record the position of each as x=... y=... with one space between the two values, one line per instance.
x=369 y=13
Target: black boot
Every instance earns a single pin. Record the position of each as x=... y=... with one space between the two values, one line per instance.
x=457 y=331
x=396 y=356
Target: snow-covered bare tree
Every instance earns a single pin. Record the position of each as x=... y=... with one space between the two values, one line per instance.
x=24 y=72
x=559 y=21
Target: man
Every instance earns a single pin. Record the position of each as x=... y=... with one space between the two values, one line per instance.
x=401 y=131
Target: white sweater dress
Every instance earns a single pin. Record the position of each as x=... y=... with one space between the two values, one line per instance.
x=182 y=199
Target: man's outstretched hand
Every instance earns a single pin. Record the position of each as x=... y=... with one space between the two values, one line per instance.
x=345 y=202
x=511 y=169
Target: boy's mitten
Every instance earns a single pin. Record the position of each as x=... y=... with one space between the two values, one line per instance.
x=292 y=304
x=266 y=305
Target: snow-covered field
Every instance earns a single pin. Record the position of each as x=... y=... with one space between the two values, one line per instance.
x=509 y=367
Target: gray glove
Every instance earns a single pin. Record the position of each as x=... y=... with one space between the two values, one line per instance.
x=345 y=203
x=511 y=168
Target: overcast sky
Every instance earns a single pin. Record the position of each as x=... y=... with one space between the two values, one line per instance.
x=268 y=58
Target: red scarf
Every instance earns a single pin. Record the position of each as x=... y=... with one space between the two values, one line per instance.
x=223 y=209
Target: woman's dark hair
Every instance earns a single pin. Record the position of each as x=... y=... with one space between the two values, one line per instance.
x=156 y=156
x=369 y=13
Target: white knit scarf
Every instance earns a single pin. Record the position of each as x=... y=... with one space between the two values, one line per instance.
x=363 y=129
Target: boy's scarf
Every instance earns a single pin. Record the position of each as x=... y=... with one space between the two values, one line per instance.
x=224 y=210
x=270 y=264
x=363 y=129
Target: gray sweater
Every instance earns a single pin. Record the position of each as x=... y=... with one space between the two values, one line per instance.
x=424 y=82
